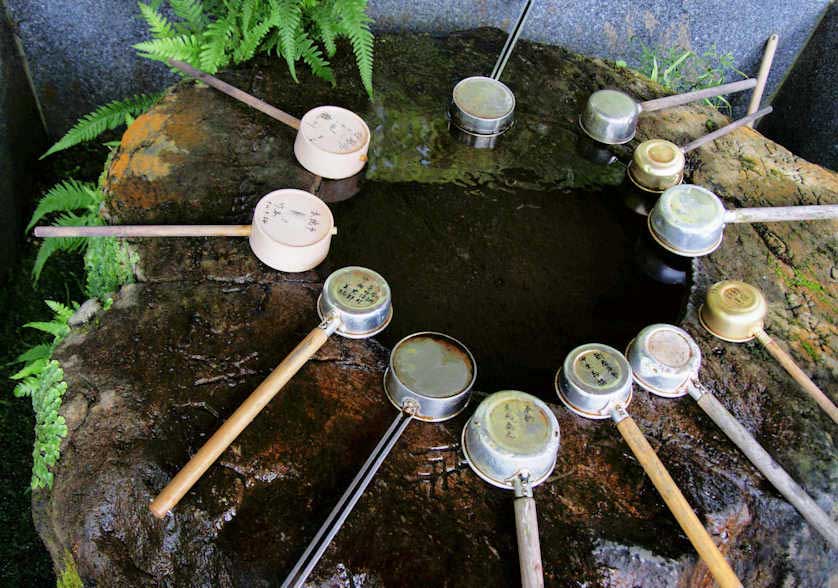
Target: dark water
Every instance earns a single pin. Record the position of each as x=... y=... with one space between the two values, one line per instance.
x=520 y=276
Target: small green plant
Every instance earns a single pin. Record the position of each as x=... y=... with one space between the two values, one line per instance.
x=109 y=262
x=681 y=70
x=211 y=35
x=42 y=380
x=105 y=118
x=69 y=577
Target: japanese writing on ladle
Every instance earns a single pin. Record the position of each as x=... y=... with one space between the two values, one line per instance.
x=329 y=127
x=598 y=368
x=513 y=426
x=278 y=212
x=359 y=294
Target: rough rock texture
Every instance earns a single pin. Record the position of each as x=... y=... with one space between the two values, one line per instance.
x=155 y=375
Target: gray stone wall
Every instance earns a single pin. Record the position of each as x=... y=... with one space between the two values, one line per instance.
x=22 y=138
x=81 y=57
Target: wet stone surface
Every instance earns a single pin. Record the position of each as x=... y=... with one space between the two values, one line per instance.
x=522 y=253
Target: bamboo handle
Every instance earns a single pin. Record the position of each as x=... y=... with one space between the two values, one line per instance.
x=772 y=214
x=146 y=231
x=503 y=57
x=239 y=95
x=681 y=99
x=529 y=547
x=745 y=120
x=762 y=75
x=237 y=422
x=769 y=468
x=678 y=505
x=785 y=360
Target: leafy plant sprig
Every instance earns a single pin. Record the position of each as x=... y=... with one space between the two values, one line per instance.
x=213 y=35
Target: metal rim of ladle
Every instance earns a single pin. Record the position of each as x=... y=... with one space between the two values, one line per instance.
x=669 y=247
x=682 y=390
x=634 y=181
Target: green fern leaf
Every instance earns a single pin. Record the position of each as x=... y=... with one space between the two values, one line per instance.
x=159 y=26
x=313 y=57
x=251 y=40
x=67 y=244
x=288 y=15
x=35 y=366
x=214 y=45
x=38 y=352
x=355 y=26
x=54 y=328
x=328 y=34
x=61 y=312
x=192 y=11
x=104 y=118
x=67 y=196
x=183 y=48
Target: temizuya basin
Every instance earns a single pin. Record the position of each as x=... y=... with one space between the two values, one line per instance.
x=483 y=108
x=688 y=220
x=610 y=117
x=359 y=298
x=291 y=230
x=433 y=371
x=511 y=433
x=332 y=142
x=733 y=311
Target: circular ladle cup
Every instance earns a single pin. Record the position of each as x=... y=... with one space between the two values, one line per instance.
x=291 y=232
x=735 y=311
x=332 y=142
x=658 y=164
x=689 y=220
x=483 y=108
x=610 y=116
x=429 y=378
x=512 y=442
x=665 y=361
x=595 y=381
x=355 y=303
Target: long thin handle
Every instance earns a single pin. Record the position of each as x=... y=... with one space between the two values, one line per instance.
x=745 y=120
x=526 y=529
x=238 y=421
x=762 y=75
x=785 y=360
x=680 y=99
x=772 y=471
x=678 y=505
x=239 y=95
x=146 y=231
x=511 y=40
x=772 y=214
x=304 y=566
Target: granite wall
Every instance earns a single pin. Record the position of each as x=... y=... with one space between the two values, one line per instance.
x=81 y=57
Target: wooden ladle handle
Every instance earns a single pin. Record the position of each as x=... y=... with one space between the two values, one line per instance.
x=529 y=548
x=238 y=421
x=785 y=360
x=678 y=505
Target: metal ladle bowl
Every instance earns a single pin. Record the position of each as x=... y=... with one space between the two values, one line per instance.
x=610 y=117
x=656 y=165
x=483 y=108
x=688 y=220
x=733 y=311
x=664 y=358
x=593 y=379
x=432 y=372
x=359 y=298
x=511 y=433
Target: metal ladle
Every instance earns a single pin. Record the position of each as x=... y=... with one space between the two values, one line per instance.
x=595 y=382
x=665 y=361
x=735 y=311
x=658 y=164
x=689 y=220
x=429 y=378
x=332 y=142
x=511 y=442
x=355 y=303
x=610 y=116
x=483 y=108
x=291 y=232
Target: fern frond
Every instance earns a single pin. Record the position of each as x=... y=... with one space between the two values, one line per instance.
x=67 y=244
x=33 y=367
x=214 y=46
x=183 y=48
x=104 y=118
x=66 y=196
x=311 y=54
x=251 y=39
x=323 y=19
x=61 y=312
x=248 y=12
x=38 y=352
x=159 y=26
x=56 y=329
x=355 y=26
x=192 y=11
x=288 y=15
